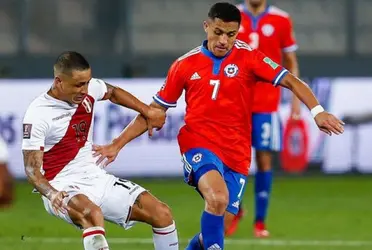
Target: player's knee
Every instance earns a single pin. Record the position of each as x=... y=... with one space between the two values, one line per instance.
x=89 y=217
x=263 y=161
x=162 y=216
x=217 y=202
x=94 y=215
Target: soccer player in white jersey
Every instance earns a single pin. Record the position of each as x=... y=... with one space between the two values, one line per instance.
x=59 y=162
x=6 y=180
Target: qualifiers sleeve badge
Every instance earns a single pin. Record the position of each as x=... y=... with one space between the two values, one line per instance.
x=27 y=131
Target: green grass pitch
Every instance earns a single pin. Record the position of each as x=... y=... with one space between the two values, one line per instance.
x=306 y=213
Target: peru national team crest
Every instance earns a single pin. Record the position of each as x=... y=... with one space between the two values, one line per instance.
x=231 y=70
x=267 y=29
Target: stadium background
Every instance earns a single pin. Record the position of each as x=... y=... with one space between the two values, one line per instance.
x=132 y=43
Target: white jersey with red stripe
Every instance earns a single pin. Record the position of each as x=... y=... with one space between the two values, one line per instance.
x=64 y=132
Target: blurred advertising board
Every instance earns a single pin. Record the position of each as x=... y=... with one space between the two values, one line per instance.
x=159 y=156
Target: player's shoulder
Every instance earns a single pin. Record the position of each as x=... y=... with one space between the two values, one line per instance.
x=275 y=11
x=189 y=55
x=242 y=46
x=40 y=107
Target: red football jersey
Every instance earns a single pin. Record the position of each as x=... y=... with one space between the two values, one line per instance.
x=271 y=32
x=218 y=93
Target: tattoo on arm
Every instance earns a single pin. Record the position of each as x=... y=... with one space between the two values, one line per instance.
x=33 y=159
x=110 y=89
x=138 y=202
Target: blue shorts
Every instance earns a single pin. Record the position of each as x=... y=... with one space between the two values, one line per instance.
x=267 y=132
x=198 y=161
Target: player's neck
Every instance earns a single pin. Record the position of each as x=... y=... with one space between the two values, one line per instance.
x=256 y=10
x=54 y=93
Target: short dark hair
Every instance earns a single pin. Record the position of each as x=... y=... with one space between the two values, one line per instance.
x=70 y=60
x=225 y=11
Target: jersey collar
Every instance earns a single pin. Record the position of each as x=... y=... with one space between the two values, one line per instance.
x=205 y=51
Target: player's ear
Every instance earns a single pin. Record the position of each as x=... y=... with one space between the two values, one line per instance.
x=205 y=25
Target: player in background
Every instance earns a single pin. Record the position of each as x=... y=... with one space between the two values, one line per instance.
x=218 y=78
x=59 y=162
x=6 y=180
x=268 y=29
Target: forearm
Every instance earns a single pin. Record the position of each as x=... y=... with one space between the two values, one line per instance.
x=126 y=99
x=301 y=90
x=33 y=162
x=136 y=128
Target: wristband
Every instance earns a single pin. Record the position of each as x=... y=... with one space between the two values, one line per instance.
x=316 y=110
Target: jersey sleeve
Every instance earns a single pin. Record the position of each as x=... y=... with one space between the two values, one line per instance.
x=97 y=89
x=34 y=131
x=288 y=40
x=266 y=69
x=3 y=151
x=172 y=87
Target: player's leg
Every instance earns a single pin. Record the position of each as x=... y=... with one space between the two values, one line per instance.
x=236 y=184
x=148 y=209
x=266 y=138
x=83 y=213
x=89 y=217
x=204 y=170
x=125 y=202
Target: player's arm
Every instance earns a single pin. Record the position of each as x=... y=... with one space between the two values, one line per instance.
x=166 y=98
x=35 y=129
x=325 y=121
x=33 y=160
x=123 y=98
x=155 y=117
x=265 y=68
x=290 y=62
x=135 y=128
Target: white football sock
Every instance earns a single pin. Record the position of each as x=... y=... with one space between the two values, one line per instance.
x=94 y=239
x=165 y=238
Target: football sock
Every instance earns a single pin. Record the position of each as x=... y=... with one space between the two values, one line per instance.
x=194 y=243
x=212 y=227
x=262 y=194
x=94 y=239
x=165 y=238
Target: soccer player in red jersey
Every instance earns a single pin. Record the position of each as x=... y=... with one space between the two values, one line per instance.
x=268 y=29
x=218 y=78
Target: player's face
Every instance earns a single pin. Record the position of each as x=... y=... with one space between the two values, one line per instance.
x=74 y=87
x=221 y=36
x=256 y=3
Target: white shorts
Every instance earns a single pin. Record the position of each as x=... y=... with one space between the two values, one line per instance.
x=114 y=196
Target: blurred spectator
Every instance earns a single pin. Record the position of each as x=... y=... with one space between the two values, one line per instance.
x=6 y=180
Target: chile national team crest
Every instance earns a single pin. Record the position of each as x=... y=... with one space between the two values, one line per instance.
x=231 y=70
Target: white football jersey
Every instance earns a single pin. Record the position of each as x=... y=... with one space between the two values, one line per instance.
x=3 y=151
x=64 y=132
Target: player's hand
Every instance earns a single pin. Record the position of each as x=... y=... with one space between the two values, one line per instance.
x=155 y=119
x=56 y=198
x=329 y=124
x=295 y=111
x=107 y=153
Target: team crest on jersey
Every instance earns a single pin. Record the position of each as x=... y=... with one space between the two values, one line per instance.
x=87 y=105
x=231 y=70
x=197 y=158
x=267 y=29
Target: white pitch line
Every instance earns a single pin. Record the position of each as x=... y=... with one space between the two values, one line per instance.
x=242 y=242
